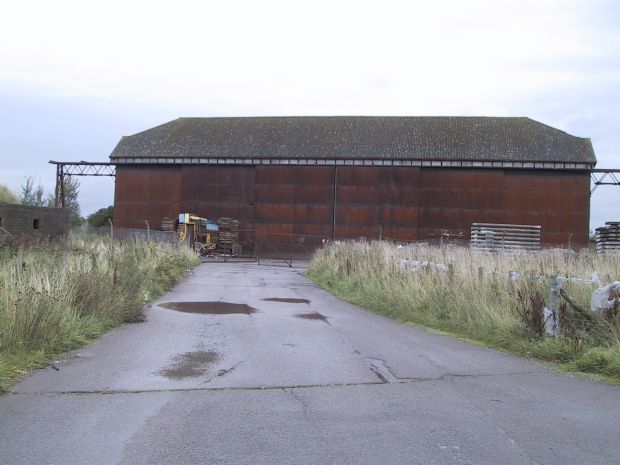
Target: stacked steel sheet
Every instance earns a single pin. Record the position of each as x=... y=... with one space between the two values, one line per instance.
x=608 y=237
x=496 y=237
x=228 y=236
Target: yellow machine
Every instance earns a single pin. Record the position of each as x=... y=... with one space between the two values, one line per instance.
x=198 y=231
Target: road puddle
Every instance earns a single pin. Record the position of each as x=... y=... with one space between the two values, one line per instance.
x=312 y=316
x=189 y=365
x=210 y=308
x=287 y=300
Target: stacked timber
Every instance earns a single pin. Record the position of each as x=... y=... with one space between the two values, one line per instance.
x=169 y=224
x=228 y=235
x=608 y=237
x=505 y=237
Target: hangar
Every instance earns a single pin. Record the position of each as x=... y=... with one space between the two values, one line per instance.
x=402 y=178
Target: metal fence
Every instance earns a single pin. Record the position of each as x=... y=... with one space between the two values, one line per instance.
x=263 y=247
x=285 y=249
x=126 y=234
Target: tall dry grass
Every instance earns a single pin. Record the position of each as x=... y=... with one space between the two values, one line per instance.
x=53 y=299
x=474 y=298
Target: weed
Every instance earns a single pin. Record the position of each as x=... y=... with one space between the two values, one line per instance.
x=474 y=297
x=605 y=361
x=58 y=298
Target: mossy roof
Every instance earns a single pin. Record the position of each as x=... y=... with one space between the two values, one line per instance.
x=509 y=139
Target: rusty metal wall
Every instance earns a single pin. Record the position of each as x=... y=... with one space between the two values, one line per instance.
x=401 y=203
x=453 y=199
x=146 y=194
x=294 y=200
x=221 y=191
x=375 y=202
x=558 y=201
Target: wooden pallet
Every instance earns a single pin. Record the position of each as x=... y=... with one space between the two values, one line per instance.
x=169 y=224
x=228 y=235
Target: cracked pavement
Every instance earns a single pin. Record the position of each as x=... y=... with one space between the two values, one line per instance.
x=322 y=382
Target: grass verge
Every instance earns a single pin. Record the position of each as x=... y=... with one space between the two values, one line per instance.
x=472 y=297
x=60 y=297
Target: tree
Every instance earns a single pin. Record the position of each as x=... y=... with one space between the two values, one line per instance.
x=101 y=216
x=71 y=189
x=33 y=195
x=7 y=195
x=36 y=197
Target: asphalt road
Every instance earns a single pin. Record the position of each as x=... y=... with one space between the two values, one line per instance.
x=322 y=382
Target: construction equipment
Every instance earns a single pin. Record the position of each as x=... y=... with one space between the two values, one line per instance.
x=207 y=237
x=199 y=232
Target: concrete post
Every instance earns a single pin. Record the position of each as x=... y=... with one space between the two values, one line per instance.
x=552 y=312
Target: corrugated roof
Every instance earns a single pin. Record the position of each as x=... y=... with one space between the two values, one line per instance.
x=359 y=137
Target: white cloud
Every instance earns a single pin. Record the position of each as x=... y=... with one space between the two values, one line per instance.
x=297 y=57
x=554 y=60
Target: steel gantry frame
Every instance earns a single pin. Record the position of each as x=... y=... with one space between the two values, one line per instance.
x=604 y=177
x=600 y=176
x=77 y=168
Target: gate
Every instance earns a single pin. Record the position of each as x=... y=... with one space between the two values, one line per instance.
x=273 y=249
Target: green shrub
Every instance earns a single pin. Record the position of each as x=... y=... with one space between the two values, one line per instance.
x=101 y=217
x=7 y=195
x=601 y=360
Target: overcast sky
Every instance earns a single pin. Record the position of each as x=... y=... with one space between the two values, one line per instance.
x=75 y=76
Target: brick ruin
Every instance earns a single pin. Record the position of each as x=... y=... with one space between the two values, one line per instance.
x=26 y=224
